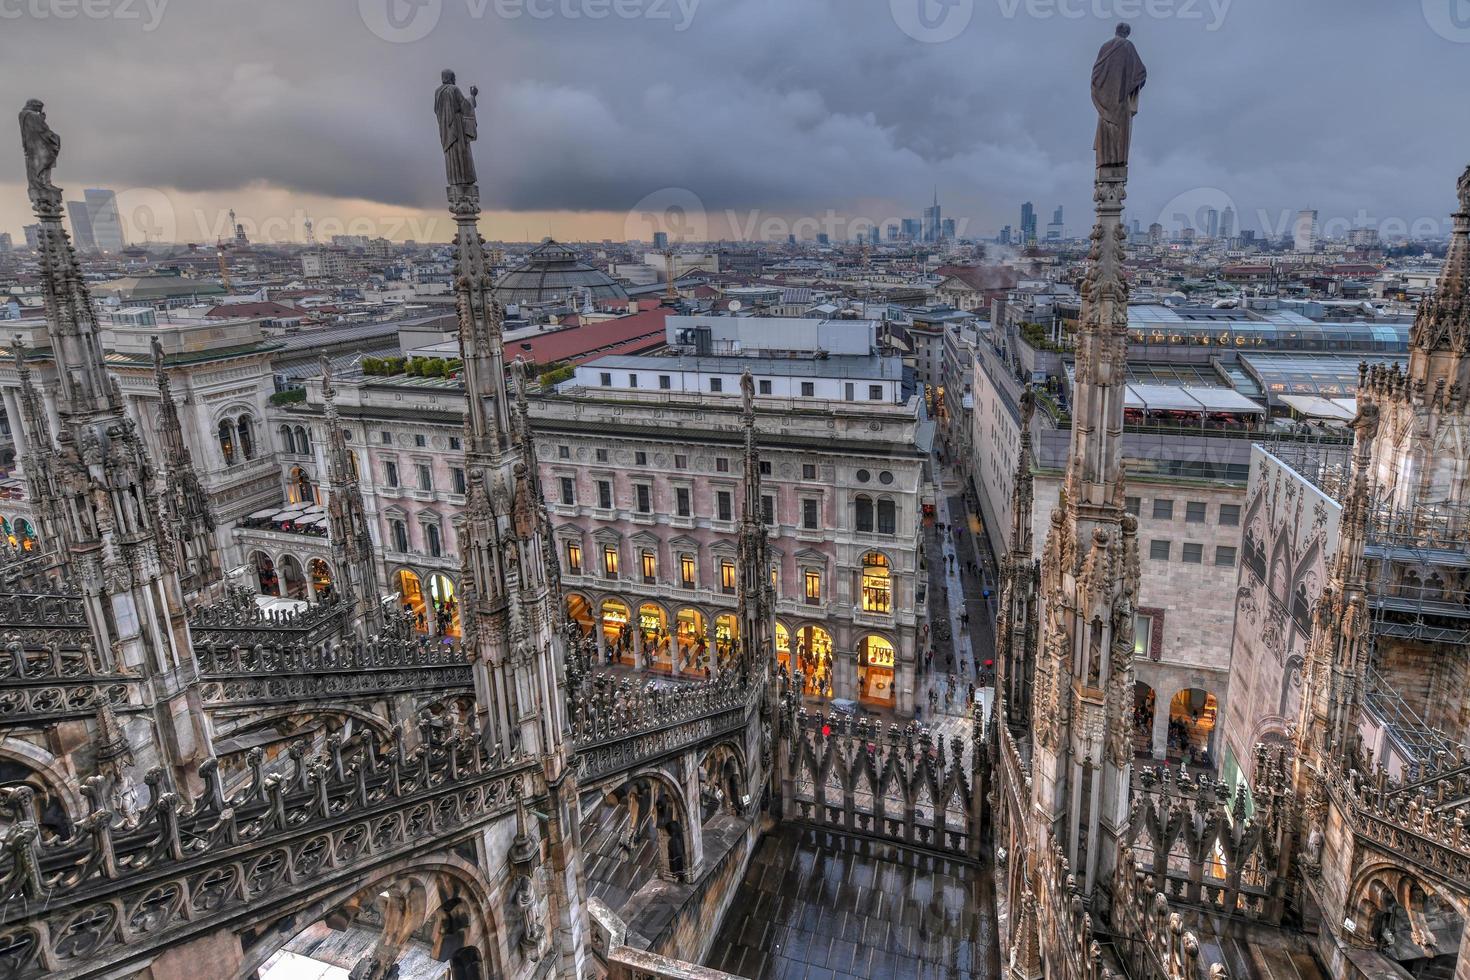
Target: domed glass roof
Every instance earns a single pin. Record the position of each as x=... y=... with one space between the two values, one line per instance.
x=553 y=272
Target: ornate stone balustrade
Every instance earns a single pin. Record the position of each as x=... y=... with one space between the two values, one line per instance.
x=1156 y=945
x=23 y=609
x=28 y=571
x=183 y=867
x=905 y=786
x=21 y=662
x=631 y=724
x=612 y=707
x=1194 y=840
x=301 y=672
x=216 y=661
x=1444 y=776
x=52 y=682
x=1414 y=824
x=241 y=620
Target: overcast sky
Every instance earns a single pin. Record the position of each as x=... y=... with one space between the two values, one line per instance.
x=745 y=116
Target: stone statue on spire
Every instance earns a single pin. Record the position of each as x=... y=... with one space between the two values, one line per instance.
x=41 y=146
x=1117 y=76
x=1463 y=187
x=457 y=129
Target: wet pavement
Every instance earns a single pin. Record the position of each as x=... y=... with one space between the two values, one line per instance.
x=814 y=905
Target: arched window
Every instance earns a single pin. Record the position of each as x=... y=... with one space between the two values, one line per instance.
x=887 y=517
x=877 y=583
x=301 y=489
x=303 y=441
x=24 y=533
x=246 y=427
x=863 y=518
x=431 y=535
x=288 y=441
x=227 y=441
x=399 y=531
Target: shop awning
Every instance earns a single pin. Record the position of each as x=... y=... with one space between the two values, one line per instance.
x=1317 y=407
x=1169 y=398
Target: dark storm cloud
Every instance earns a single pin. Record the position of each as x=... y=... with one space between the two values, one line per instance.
x=781 y=106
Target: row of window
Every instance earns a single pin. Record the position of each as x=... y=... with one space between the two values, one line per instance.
x=1195 y=511
x=420 y=440
x=865 y=510
x=681 y=462
x=1192 y=553
x=296 y=441
x=763 y=386
x=425 y=476
x=433 y=537
x=688 y=570
x=876 y=585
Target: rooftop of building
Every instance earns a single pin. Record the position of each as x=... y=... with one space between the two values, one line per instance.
x=864 y=367
x=553 y=271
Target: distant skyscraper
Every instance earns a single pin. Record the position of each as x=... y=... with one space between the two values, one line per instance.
x=790 y=239
x=1005 y=235
x=1304 y=231
x=107 y=232
x=1247 y=235
x=946 y=229
x=873 y=237
x=6 y=242
x=1137 y=229
x=912 y=230
x=1054 y=230
x=1212 y=223
x=33 y=236
x=893 y=233
x=660 y=240
x=1155 y=233
x=1227 y=223
x=1187 y=234
x=1028 y=223
x=932 y=225
x=81 y=224
x=822 y=238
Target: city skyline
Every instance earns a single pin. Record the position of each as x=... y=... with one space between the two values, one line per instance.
x=807 y=136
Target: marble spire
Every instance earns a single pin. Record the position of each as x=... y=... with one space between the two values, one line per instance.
x=186 y=506
x=119 y=549
x=754 y=598
x=1082 y=700
x=357 y=581
x=511 y=596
